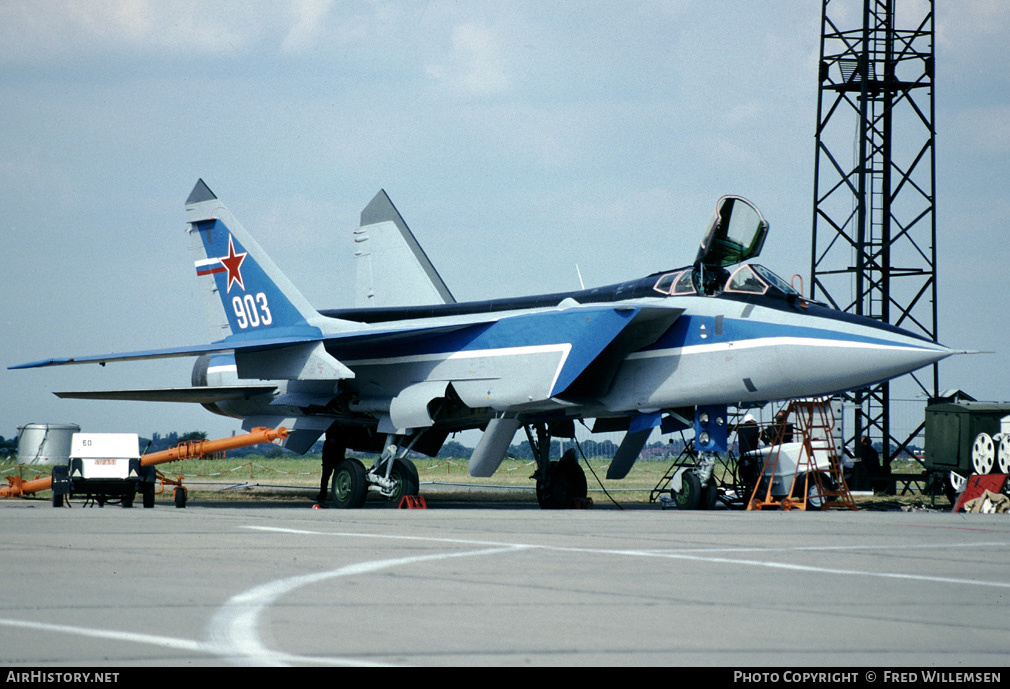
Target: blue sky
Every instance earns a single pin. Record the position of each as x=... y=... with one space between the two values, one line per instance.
x=518 y=139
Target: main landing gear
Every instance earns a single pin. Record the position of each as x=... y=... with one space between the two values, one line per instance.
x=561 y=484
x=393 y=476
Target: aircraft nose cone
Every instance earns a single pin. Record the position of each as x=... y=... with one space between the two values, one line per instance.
x=880 y=352
x=844 y=352
x=930 y=354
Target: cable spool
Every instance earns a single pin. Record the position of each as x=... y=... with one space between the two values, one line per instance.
x=983 y=453
x=1003 y=455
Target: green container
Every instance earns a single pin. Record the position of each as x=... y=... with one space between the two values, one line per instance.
x=951 y=429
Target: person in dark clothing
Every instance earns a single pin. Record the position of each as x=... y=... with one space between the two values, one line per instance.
x=870 y=458
x=333 y=454
x=748 y=438
x=878 y=472
x=779 y=432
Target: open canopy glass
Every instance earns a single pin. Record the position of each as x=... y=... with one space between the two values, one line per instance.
x=736 y=233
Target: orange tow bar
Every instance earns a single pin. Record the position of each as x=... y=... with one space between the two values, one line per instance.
x=16 y=486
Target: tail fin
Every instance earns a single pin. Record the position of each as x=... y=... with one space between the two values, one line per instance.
x=393 y=269
x=244 y=291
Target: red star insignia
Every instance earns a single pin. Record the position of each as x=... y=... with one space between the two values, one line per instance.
x=233 y=264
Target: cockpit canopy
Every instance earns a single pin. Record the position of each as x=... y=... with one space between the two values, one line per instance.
x=736 y=233
x=749 y=278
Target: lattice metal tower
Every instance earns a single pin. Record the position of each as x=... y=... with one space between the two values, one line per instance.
x=874 y=226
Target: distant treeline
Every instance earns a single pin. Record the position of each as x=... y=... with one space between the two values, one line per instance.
x=452 y=449
x=8 y=447
x=592 y=449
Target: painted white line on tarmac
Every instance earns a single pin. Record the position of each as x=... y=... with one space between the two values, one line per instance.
x=693 y=554
x=149 y=639
x=826 y=548
x=234 y=629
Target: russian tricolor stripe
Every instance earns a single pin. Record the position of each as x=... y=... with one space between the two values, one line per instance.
x=209 y=266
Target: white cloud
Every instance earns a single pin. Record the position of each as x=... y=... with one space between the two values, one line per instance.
x=970 y=23
x=986 y=129
x=477 y=63
x=59 y=28
x=310 y=17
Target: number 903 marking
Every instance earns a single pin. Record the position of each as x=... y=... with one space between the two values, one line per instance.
x=251 y=310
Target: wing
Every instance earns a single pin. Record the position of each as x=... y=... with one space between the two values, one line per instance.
x=511 y=364
x=199 y=395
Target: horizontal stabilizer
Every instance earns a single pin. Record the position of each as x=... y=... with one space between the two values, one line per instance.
x=245 y=344
x=171 y=352
x=199 y=395
x=305 y=361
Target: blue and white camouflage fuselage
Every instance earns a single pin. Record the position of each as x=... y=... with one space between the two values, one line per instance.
x=648 y=346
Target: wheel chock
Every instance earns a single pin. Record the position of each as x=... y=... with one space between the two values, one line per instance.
x=412 y=502
x=583 y=503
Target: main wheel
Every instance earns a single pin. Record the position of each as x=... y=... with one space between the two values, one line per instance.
x=568 y=483
x=404 y=473
x=349 y=484
x=689 y=495
x=545 y=496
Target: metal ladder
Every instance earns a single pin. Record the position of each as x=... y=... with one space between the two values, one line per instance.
x=814 y=422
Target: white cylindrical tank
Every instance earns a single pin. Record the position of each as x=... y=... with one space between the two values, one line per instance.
x=45 y=443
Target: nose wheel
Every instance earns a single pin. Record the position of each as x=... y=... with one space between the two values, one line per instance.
x=689 y=495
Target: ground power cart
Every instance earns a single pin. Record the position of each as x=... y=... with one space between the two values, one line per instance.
x=105 y=468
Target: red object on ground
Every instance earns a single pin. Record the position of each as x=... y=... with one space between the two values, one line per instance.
x=977 y=485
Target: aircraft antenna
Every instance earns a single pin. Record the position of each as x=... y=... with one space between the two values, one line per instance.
x=874 y=225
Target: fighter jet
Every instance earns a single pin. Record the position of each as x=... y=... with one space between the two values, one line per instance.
x=408 y=365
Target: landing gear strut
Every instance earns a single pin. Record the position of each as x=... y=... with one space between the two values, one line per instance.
x=560 y=484
x=393 y=476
